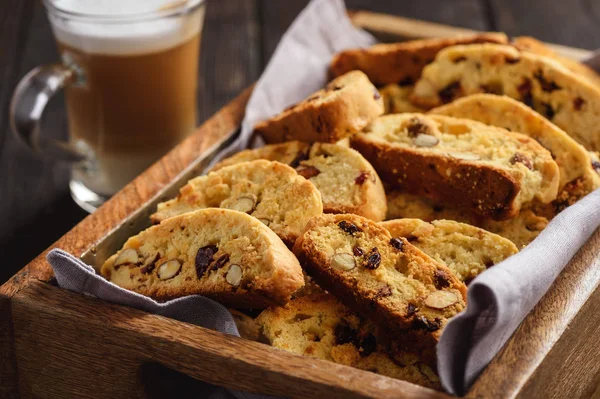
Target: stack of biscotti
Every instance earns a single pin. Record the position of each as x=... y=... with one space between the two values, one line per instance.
x=379 y=198
x=519 y=85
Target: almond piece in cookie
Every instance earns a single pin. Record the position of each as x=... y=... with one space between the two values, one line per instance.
x=222 y=254
x=484 y=169
x=268 y=190
x=386 y=279
x=345 y=106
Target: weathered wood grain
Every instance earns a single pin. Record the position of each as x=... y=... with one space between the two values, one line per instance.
x=573 y=23
x=229 y=53
x=8 y=362
x=101 y=347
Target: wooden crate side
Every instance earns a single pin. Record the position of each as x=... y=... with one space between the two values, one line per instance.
x=70 y=345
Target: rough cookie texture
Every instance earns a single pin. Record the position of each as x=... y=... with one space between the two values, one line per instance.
x=573 y=160
x=484 y=169
x=386 y=279
x=320 y=326
x=466 y=250
x=225 y=255
x=345 y=106
x=544 y=84
x=270 y=191
x=397 y=99
x=401 y=63
x=521 y=229
x=526 y=43
x=347 y=181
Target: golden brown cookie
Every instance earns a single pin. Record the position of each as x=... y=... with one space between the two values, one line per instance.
x=466 y=250
x=386 y=279
x=573 y=160
x=225 y=255
x=347 y=182
x=268 y=190
x=401 y=63
x=486 y=170
x=345 y=106
x=320 y=326
x=566 y=99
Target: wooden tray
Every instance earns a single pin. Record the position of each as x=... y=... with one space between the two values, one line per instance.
x=55 y=343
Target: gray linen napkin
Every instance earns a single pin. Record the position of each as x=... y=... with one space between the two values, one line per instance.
x=498 y=300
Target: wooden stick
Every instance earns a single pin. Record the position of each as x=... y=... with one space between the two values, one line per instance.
x=400 y=28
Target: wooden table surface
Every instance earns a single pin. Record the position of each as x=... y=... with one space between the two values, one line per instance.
x=238 y=39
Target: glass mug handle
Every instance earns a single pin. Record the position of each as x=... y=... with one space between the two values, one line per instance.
x=27 y=105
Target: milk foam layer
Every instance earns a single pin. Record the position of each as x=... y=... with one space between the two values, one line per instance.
x=99 y=36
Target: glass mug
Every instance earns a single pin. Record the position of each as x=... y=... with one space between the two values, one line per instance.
x=129 y=70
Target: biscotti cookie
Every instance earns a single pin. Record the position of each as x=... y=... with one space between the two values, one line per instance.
x=466 y=250
x=570 y=102
x=404 y=205
x=247 y=326
x=321 y=327
x=345 y=106
x=222 y=254
x=526 y=43
x=577 y=176
x=396 y=99
x=386 y=279
x=347 y=182
x=401 y=63
x=270 y=191
x=486 y=170
x=521 y=229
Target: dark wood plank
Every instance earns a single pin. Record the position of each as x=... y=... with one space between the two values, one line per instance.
x=102 y=347
x=466 y=13
x=37 y=186
x=276 y=16
x=574 y=23
x=8 y=361
x=230 y=57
